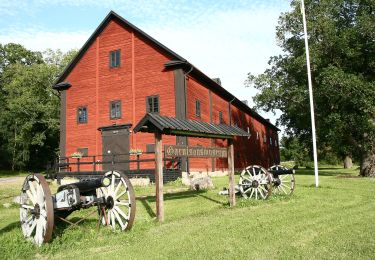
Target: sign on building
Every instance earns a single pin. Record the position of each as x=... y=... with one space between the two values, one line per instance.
x=194 y=151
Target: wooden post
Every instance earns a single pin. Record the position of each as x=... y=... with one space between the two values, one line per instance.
x=159 y=177
x=232 y=194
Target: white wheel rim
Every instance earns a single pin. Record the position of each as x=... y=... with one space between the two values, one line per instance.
x=118 y=216
x=33 y=227
x=248 y=176
x=287 y=181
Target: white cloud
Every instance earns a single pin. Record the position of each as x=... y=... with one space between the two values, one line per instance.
x=40 y=40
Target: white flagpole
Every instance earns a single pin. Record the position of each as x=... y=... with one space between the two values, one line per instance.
x=311 y=95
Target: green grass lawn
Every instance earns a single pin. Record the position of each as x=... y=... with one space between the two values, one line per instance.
x=333 y=221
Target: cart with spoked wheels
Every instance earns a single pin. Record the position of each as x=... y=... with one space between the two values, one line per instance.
x=258 y=183
x=112 y=194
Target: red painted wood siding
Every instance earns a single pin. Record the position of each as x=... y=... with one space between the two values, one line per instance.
x=95 y=84
x=142 y=74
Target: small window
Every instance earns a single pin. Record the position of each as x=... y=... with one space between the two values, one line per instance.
x=257 y=135
x=115 y=109
x=270 y=140
x=197 y=108
x=82 y=115
x=221 y=119
x=248 y=131
x=275 y=143
x=114 y=58
x=152 y=104
x=265 y=139
x=83 y=151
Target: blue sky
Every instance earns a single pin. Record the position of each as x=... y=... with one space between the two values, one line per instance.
x=225 y=39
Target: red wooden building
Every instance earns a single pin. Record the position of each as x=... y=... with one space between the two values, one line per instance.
x=121 y=73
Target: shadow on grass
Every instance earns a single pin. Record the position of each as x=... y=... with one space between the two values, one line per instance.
x=327 y=172
x=11 y=227
x=147 y=200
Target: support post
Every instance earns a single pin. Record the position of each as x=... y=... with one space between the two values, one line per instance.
x=159 y=177
x=232 y=194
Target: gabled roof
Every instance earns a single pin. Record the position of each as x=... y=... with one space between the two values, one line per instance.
x=177 y=60
x=152 y=122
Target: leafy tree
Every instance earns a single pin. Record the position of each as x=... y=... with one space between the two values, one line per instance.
x=342 y=49
x=29 y=117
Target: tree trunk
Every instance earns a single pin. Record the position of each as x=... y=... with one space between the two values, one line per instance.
x=368 y=165
x=348 y=163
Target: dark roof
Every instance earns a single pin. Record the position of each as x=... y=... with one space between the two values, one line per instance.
x=177 y=60
x=152 y=122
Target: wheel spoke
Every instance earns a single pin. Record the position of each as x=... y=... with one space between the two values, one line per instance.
x=251 y=194
x=31 y=197
x=118 y=187
x=113 y=183
x=121 y=194
x=113 y=219
x=30 y=229
x=119 y=211
x=256 y=194
x=33 y=189
x=261 y=193
x=26 y=206
x=282 y=188
x=119 y=220
x=127 y=204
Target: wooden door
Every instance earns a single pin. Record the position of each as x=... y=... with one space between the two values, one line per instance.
x=115 y=143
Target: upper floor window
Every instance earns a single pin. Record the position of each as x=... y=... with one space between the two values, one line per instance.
x=264 y=139
x=197 y=108
x=115 y=109
x=276 y=143
x=221 y=119
x=82 y=115
x=270 y=140
x=257 y=135
x=114 y=58
x=152 y=104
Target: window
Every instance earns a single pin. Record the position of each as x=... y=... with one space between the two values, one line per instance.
x=276 y=143
x=257 y=135
x=197 y=108
x=115 y=109
x=221 y=119
x=83 y=151
x=114 y=58
x=82 y=115
x=270 y=140
x=264 y=139
x=152 y=104
x=248 y=131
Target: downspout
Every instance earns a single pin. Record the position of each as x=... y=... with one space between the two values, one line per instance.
x=230 y=111
x=185 y=76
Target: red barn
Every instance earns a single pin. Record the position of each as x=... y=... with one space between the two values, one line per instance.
x=121 y=73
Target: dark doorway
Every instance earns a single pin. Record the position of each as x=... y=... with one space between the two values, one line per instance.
x=115 y=143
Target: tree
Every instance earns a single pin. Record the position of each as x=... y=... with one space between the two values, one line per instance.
x=29 y=117
x=342 y=49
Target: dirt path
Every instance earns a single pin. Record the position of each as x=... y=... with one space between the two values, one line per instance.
x=11 y=180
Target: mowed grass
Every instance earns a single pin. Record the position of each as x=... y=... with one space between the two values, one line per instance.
x=333 y=221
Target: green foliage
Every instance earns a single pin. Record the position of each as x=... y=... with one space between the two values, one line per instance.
x=342 y=50
x=29 y=117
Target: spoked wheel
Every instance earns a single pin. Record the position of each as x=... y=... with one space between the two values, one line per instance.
x=255 y=182
x=119 y=210
x=36 y=210
x=285 y=183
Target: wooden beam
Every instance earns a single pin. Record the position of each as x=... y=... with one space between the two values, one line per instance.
x=232 y=194
x=159 y=177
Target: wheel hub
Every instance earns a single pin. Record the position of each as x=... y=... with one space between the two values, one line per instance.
x=36 y=211
x=110 y=202
x=255 y=184
x=277 y=182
